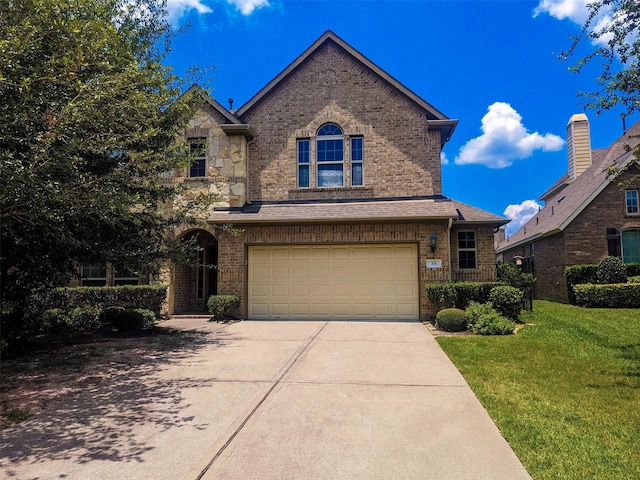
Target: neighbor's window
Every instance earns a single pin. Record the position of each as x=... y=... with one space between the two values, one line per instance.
x=197 y=149
x=631 y=246
x=467 y=250
x=330 y=156
x=303 y=163
x=356 y=161
x=631 y=197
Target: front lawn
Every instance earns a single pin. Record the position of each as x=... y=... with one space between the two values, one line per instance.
x=565 y=391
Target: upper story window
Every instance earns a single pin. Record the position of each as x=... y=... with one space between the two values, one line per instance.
x=357 y=156
x=467 y=251
x=330 y=156
x=197 y=149
x=303 y=163
x=631 y=197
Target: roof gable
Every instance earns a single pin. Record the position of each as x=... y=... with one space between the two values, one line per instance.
x=436 y=119
x=563 y=205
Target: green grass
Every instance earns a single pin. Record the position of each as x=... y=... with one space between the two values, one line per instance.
x=565 y=392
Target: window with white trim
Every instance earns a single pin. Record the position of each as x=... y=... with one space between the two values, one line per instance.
x=631 y=202
x=197 y=150
x=330 y=156
x=357 y=156
x=467 y=251
x=303 y=163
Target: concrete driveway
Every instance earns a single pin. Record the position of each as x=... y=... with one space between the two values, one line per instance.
x=274 y=400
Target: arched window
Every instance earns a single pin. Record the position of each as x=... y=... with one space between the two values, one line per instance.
x=330 y=156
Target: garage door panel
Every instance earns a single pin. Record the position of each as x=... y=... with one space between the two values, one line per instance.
x=320 y=282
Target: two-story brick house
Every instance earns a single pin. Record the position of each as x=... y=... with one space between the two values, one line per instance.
x=587 y=214
x=332 y=173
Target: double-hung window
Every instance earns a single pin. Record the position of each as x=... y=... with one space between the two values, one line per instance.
x=303 y=163
x=356 y=161
x=467 y=252
x=330 y=156
x=197 y=149
x=631 y=200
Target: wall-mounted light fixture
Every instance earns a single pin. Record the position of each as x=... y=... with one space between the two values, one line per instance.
x=434 y=243
x=518 y=260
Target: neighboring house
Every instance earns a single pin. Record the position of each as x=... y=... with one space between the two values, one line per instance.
x=587 y=215
x=332 y=173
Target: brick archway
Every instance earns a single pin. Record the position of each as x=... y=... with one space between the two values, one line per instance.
x=192 y=286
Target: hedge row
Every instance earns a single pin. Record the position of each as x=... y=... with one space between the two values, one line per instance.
x=588 y=273
x=148 y=297
x=614 y=295
x=458 y=295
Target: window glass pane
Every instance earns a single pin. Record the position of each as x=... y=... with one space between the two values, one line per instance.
x=631 y=246
x=466 y=240
x=330 y=150
x=303 y=175
x=330 y=129
x=303 y=151
x=330 y=175
x=632 y=201
x=356 y=174
x=467 y=259
x=356 y=149
x=197 y=168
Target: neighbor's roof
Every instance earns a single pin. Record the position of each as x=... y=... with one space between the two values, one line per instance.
x=367 y=210
x=435 y=118
x=565 y=200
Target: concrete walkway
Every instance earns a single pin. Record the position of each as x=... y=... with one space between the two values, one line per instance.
x=274 y=400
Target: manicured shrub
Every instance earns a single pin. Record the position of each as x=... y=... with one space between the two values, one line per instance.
x=633 y=269
x=617 y=295
x=507 y=301
x=84 y=318
x=220 y=305
x=513 y=276
x=128 y=320
x=576 y=275
x=150 y=297
x=611 y=270
x=484 y=320
x=458 y=295
x=55 y=320
x=451 y=320
x=633 y=279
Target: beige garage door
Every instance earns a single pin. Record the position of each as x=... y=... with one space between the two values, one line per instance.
x=319 y=282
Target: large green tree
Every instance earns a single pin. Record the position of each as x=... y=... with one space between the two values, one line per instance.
x=89 y=117
x=613 y=27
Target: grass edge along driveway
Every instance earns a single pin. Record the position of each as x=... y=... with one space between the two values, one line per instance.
x=565 y=391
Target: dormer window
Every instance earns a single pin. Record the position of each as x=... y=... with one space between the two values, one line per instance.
x=631 y=198
x=330 y=156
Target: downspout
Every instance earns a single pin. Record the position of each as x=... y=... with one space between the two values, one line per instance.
x=449 y=246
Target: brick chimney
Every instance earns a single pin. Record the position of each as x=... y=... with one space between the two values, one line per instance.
x=578 y=145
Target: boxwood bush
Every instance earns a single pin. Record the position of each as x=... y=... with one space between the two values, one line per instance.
x=579 y=274
x=451 y=320
x=615 y=295
x=220 y=305
x=128 y=320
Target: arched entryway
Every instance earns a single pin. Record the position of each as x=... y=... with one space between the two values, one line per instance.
x=192 y=286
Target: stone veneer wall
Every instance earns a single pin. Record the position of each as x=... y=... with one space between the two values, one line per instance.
x=401 y=157
x=226 y=158
x=232 y=250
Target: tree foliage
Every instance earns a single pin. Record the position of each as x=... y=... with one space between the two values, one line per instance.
x=88 y=124
x=613 y=26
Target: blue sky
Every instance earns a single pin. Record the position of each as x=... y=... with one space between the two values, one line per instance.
x=493 y=65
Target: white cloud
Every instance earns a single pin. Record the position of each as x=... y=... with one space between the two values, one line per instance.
x=443 y=159
x=520 y=214
x=505 y=139
x=247 y=7
x=178 y=8
x=574 y=10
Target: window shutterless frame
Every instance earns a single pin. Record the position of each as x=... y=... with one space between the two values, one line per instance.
x=357 y=160
x=467 y=251
x=303 y=162
x=330 y=156
x=197 y=149
x=631 y=202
